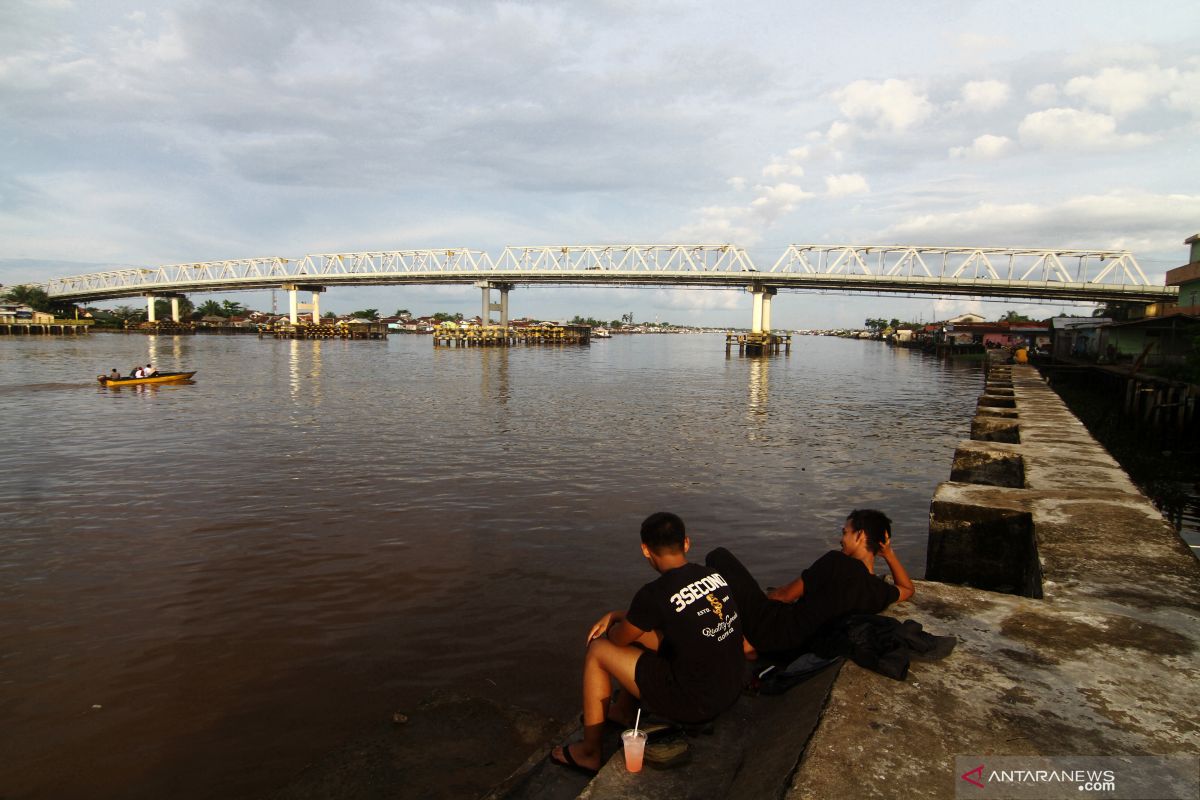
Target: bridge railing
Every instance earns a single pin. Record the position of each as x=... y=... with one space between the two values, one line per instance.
x=963 y=263
x=627 y=258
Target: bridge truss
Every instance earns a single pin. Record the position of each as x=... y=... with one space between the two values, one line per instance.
x=1036 y=274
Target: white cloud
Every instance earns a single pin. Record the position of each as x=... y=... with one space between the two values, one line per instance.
x=737 y=183
x=842 y=185
x=984 y=95
x=1044 y=94
x=1184 y=95
x=782 y=169
x=704 y=299
x=891 y=106
x=776 y=200
x=1121 y=91
x=984 y=148
x=1158 y=222
x=1072 y=129
x=980 y=43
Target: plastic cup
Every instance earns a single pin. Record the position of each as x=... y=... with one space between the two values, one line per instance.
x=635 y=747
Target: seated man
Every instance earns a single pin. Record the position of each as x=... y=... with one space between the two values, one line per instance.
x=149 y=372
x=678 y=648
x=838 y=583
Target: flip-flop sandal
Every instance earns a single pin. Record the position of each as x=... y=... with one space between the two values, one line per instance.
x=667 y=754
x=569 y=762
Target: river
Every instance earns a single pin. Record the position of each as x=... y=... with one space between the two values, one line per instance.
x=207 y=586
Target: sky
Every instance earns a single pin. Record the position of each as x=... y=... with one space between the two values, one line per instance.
x=144 y=134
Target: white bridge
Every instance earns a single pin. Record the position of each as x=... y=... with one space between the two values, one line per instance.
x=1027 y=273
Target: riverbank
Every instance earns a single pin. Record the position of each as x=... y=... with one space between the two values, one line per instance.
x=1088 y=647
x=1163 y=464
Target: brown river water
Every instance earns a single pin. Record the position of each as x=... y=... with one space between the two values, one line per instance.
x=205 y=587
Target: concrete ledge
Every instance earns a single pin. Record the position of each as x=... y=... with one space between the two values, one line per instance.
x=1028 y=677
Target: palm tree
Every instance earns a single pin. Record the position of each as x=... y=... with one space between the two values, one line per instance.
x=231 y=308
x=33 y=296
x=210 y=308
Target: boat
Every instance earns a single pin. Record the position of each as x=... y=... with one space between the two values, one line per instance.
x=162 y=377
x=601 y=333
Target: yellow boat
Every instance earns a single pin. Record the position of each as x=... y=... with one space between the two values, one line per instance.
x=162 y=377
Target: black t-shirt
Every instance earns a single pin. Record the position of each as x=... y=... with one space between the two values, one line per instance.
x=693 y=610
x=837 y=584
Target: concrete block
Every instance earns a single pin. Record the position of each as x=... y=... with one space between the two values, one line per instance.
x=987 y=428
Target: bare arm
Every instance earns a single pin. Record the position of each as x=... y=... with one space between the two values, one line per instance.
x=788 y=592
x=620 y=632
x=899 y=576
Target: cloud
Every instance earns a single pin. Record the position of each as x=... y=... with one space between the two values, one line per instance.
x=1157 y=222
x=979 y=43
x=891 y=106
x=1121 y=91
x=984 y=95
x=1044 y=94
x=842 y=185
x=984 y=148
x=1072 y=129
x=737 y=183
x=704 y=299
x=776 y=200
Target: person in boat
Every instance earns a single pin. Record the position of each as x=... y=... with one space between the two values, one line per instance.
x=677 y=649
x=114 y=375
x=149 y=372
x=838 y=583
x=135 y=372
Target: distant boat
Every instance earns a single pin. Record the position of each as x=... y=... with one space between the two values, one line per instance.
x=601 y=333
x=162 y=377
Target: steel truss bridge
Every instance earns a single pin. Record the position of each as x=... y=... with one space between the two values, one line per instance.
x=1028 y=273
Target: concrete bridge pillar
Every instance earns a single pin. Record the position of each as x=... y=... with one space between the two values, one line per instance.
x=175 y=309
x=760 y=317
x=150 y=308
x=295 y=306
x=485 y=318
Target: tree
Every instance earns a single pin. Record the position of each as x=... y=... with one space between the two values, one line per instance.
x=231 y=308
x=366 y=313
x=128 y=314
x=403 y=313
x=1013 y=316
x=33 y=296
x=329 y=315
x=162 y=308
x=210 y=308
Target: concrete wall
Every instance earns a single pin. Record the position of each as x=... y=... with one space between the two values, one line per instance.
x=1077 y=614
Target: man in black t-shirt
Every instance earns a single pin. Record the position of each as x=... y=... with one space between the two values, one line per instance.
x=838 y=583
x=687 y=664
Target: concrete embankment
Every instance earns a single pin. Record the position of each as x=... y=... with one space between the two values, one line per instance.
x=1076 y=606
x=1085 y=644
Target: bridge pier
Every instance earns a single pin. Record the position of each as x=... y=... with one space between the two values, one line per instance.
x=485 y=318
x=760 y=340
x=295 y=306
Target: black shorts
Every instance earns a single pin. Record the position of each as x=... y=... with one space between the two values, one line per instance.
x=661 y=693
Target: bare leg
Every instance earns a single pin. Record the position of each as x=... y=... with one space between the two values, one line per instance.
x=604 y=662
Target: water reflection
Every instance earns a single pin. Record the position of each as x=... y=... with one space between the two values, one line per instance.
x=304 y=369
x=756 y=403
x=493 y=374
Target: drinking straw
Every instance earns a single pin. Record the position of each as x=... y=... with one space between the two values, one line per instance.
x=637 y=720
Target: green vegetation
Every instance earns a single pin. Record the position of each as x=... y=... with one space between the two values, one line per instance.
x=1013 y=316
x=36 y=298
x=366 y=313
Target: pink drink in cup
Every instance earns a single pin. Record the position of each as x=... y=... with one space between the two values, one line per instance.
x=635 y=746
